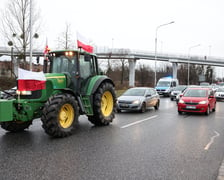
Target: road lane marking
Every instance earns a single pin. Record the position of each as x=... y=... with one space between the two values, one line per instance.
x=211 y=140
x=137 y=122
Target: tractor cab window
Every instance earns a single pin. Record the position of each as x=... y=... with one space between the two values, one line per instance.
x=86 y=66
x=63 y=64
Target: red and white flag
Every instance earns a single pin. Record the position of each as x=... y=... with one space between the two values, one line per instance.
x=46 y=50
x=83 y=43
x=30 y=81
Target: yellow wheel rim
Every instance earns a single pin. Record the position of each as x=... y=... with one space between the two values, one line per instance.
x=66 y=115
x=107 y=103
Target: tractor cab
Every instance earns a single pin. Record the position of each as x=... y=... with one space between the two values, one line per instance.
x=77 y=66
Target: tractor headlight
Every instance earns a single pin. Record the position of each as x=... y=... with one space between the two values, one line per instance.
x=202 y=102
x=23 y=92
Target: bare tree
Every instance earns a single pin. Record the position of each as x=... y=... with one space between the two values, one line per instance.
x=15 y=25
x=65 y=39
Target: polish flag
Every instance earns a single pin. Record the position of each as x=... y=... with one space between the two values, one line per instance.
x=83 y=43
x=46 y=50
x=30 y=81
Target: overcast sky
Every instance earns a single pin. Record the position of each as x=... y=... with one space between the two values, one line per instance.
x=132 y=23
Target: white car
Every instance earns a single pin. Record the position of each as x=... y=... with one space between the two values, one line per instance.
x=219 y=93
x=176 y=91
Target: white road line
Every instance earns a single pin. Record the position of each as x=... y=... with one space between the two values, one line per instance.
x=211 y=140
x=137 y=122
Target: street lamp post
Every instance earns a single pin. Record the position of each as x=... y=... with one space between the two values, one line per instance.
x=31 y=32
x=188 y=64
x=157 y=28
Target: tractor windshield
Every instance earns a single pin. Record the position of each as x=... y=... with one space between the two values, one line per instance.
x=63 y=64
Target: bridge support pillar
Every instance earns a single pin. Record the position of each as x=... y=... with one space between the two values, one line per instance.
x=132 y=63
x=174 y=70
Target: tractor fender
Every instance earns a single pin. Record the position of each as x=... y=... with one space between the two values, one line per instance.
x=100 y=81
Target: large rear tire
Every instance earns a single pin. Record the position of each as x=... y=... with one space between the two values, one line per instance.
x=15 y=126
x=104 y=105
x=60 y=115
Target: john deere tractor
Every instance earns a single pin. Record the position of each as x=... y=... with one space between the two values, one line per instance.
x=74 y=86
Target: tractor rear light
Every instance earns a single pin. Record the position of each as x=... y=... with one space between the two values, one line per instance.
x=23 y=92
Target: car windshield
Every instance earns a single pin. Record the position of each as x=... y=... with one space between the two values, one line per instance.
x=195 y=93
x=163 y=83
x=220 y=90
x=179 y=88
x=134 y=92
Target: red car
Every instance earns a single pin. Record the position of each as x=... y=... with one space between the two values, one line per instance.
x=198 y=100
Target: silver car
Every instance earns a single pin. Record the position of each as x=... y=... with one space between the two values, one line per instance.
x=176 y=91
x=138 y=99
x=219 y=94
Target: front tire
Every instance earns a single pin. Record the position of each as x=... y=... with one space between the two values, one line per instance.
x=214 y=109
x=157 y=105
x=60 y=115
x=104 y=105
x=15 y=126
x=208 y=111
x=143 y=107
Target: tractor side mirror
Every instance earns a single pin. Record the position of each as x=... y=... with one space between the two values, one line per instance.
x=87 y=58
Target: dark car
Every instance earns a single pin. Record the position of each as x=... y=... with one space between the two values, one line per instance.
x=138 y=99
x=197 y=100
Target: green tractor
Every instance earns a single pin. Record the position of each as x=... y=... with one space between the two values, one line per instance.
x=74 y=86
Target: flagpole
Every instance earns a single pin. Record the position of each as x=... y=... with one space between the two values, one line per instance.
x=31 y=32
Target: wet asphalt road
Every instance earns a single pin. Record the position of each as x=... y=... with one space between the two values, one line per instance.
x=156 y=145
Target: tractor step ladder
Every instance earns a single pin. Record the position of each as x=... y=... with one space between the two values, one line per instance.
x=87 y=104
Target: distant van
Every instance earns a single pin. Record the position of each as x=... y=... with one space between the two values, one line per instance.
x=165 y=85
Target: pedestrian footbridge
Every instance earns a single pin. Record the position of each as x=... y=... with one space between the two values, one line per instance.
x=175 y=59
x=133 y=55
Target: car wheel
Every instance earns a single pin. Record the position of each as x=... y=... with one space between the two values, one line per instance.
x=179 y=112
x=214 y=108
x=143 y=108
x=157 y=106
x=208 y=111
x=118 y=110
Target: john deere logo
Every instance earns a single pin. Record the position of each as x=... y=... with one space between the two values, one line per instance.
x=60 y=80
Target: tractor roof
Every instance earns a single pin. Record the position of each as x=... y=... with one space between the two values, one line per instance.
x=71 y=50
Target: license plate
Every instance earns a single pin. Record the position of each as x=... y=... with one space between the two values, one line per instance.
x=124 y=105
x=191 y=107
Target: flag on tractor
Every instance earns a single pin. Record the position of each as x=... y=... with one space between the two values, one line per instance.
x=30 y=81
x=83 y=43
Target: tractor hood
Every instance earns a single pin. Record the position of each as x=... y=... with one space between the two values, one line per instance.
x=58 y=80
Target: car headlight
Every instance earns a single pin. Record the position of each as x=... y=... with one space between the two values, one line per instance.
x=136 y=102
x=202 y=102
x=181 y=101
